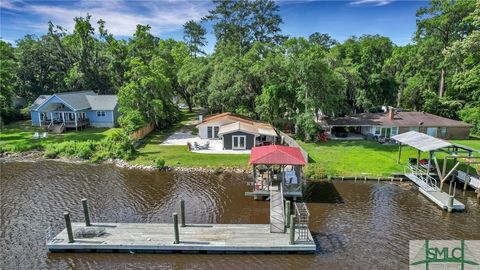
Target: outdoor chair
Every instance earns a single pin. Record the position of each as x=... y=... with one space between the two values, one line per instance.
x=36 y=136
x=44 y=135
x=207 y=145
x=196 y=146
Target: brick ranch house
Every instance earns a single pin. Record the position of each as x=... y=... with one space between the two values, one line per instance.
x=393 y=122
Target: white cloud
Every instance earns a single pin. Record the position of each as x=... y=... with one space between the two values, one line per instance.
x=371 y=2
x=121 y=16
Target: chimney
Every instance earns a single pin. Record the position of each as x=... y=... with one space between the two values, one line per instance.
x=391 y=112
x=200 y=118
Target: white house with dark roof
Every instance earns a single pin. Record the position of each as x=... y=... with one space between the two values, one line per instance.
x=75 y=110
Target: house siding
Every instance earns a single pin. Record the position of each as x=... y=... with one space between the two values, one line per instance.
x=458 y=133
x=101 y=121
x=34 y=117
x=249 y=140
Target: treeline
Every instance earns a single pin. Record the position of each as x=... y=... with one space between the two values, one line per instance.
x=255 y=70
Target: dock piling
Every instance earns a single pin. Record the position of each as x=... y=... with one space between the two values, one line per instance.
x=450 y=204
x=68 y=225
x=292 y=229
x=175 y=228
x=287 y=213
x=85 y=212
x=182 y=213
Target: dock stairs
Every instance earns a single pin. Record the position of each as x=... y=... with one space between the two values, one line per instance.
x=277 y=209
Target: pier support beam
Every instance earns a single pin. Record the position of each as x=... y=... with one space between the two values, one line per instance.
x=287 y=213
x=85 y=212
x=450 y=204
x=182 y=213
x=68 y=225
x=292 y=230
x=175 y=228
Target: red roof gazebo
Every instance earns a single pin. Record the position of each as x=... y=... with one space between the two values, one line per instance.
x=276 y=155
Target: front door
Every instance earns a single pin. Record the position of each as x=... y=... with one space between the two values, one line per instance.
x=238 y=142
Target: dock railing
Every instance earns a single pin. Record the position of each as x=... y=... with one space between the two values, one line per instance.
x=302 y=216
x=423 y=175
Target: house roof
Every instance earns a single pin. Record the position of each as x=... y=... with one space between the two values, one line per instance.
x=400 y=119
x=238 y=126
x=225 y=116
x=240 y=123
x=421 y=141
x=79 y=100
x=39 y=101
x=102 y=102
x=276 y=155
x=76 y=100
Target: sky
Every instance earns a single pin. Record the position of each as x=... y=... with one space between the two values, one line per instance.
x=340 y=19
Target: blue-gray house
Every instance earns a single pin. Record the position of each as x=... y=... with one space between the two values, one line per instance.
x=74 y=110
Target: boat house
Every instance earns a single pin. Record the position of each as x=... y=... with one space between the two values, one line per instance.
x=277 y=168
x=74 y=110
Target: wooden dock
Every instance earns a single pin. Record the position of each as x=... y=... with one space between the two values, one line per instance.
x=437 y=196
x=194 y=238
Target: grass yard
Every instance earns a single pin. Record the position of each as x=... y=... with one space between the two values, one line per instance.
x=358 y=158
x=178 y=155
x=18 y=136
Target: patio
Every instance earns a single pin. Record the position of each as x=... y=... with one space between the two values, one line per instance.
x=215 y=145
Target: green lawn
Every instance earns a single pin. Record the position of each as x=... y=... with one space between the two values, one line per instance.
x=18 y=136
x=358 y=158
x=178 y=155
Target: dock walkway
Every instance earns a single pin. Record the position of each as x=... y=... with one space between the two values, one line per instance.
x=277 y=215
x=437 y=196
x=159 y=238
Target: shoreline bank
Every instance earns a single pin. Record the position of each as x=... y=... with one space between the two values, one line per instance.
x=37 y=155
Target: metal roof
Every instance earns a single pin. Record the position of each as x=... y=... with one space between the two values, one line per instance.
x=276 y=155
x=102 y=102
x=39 y=101
x=421 y=141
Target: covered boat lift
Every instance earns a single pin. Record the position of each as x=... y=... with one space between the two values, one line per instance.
x=422 y=175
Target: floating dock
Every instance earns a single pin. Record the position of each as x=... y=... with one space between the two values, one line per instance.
x=433 y=193
x=194 y=238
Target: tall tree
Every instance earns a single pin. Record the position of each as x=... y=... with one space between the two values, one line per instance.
x=194 y=36
x=444 y=22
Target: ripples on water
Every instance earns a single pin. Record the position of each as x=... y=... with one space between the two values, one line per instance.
x=356 y=225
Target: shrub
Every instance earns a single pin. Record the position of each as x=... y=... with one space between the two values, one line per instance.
x=160 y=163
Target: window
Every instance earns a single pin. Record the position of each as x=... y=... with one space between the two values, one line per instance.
x=100 y=113
x=432 y=131
x=394 y=130
x=209 y=132
x=377 y=130
x=414 y=129
x=215 y=131
x=443 y=132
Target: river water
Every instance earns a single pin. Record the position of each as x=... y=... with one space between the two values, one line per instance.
x=356 y=225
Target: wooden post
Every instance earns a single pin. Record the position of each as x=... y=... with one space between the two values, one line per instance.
x=355 y=179
x=399 y=152
x=418 y=157
x=175 y=228
x=287 y=213
x=478 y=194
x=467 y=177
x=292 y=229
x=68 y=225
x=450 y=204
x=85 y=212
x=182 y=212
